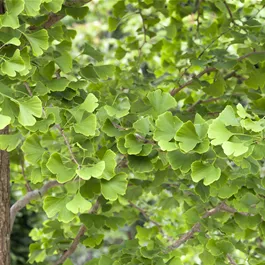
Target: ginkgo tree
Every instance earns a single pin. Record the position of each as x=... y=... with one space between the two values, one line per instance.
x=149 y=130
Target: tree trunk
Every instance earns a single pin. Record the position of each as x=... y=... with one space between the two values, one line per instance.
x=4 y=206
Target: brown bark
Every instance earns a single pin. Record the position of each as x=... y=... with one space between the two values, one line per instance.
x=4 y=206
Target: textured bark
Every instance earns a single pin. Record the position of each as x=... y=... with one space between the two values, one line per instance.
x=4 y=206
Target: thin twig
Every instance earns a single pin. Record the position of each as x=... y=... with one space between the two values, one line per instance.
x=230 y=12
x=32 y=195
x=76 y=240
x=68 y=145
x=28 y=89
x=143 y=212
x=231 y=260
x=24 y=175
x=196 y=227
x=249 y=54
x=184 y=238
x=205 y=71
x=200 y=101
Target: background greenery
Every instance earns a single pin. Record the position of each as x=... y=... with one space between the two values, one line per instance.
x=151 y=116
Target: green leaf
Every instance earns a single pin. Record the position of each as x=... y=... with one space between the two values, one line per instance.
x=114 y=187
x=13 y=65
x=68 y=262
x=142 y=125
x=87 y=126
x=192 y=216
x=62 y=172
x=140 y=164
x=118 y=109
x=105 y=71
x=32 y=7
x=92 y=171
x=227 y=117
x=187 y=137
x=179 y=160
x=78 y=204
x=207 y=172
x=32 y=149
x=38 y=41
x=9 y=142
x=166 y=126
x=217 y=88
x=4 y=121
x=89 y=50
x=28 y=109
x=110 y=164
x=54 y=5
x=56 y=205
x=113 y=23
x=133 y=144
x=65 y=62
x=90 y=103
x=89 y=73
x=57 y=84
x=235 y=149
x=10 y=18
x=218 y=132
x=255 y=126
x=256 y=79
x=241 y=112
x=93 y=241
x=161 y=101
x=77 y=12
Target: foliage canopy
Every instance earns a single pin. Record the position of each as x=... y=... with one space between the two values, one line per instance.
x=151 y=126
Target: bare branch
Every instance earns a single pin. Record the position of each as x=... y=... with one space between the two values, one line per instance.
x=28 y=88
x=68 y=145
x=249 y=54
x=231 y=260
x=20 y=204
x=76 y=240
x=143 y=212
x=187 y=236
x=24 y=175
x=200 y=101
x=54 y=18
x=205 y=71
x=229 y=11
x=196 y=227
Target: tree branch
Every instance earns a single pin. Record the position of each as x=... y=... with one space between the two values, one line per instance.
x=231 y=260
x=249 y=54
x=229 y=11
x=143 y=212
x=76 y=240
x=205 y=71
x=54 y=18
x=20 y=204
x=196 y=227
x=68 y=145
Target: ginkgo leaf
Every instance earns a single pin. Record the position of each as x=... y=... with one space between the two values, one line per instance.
x=113 y=188
x=87 y=126
x=28 y=110
x=78 y=204
x=32 y=7
x=187 y=137
x=218 y=132
x=38 y=41
x=235 y=149
x=4 y=121
x=86 y=172
x=62 y=172
x=208 y=172
x=13 y=65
